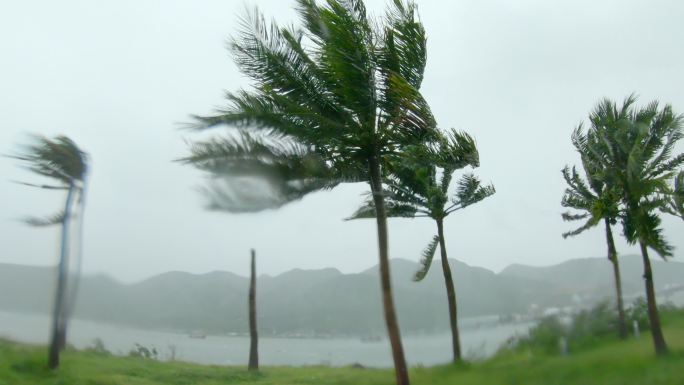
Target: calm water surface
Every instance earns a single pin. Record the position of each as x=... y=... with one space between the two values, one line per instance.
x=480 y=337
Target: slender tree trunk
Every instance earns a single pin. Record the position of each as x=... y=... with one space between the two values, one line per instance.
x=62 y=329
x=612 y=256
x=58 y=311
x=74 y=281
x=253 y=336
x=451 y=294
x=401 y=371
x=653 y=317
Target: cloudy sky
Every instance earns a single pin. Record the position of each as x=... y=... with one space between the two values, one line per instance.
x=120 y=78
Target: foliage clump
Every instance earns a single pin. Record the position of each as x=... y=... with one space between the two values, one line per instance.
x=582 y=330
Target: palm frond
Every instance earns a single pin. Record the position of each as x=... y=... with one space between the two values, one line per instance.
x=58 y=158
x=568 y=216
x=591 y=222
x=50 y=220
x=393 y=209
x=41 y=186
x=426 y=259
x=249 y=171
x=457 y=150
x=470 y=191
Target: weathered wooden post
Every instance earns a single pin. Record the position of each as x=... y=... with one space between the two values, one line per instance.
x=253 y=336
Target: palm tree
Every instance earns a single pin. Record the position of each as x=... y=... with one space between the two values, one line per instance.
x=342 y=91
x=596 y=202
x=414 y=189
x=61 y=160
x=632 y=148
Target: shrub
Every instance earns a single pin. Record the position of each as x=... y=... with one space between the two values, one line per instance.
x=143 y=352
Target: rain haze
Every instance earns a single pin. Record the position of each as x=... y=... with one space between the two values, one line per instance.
x=121 y=78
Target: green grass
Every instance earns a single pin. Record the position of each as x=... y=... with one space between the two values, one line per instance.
x=606 y=363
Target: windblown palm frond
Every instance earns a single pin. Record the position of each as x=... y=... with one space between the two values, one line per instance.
x=426 y=259
x=470 y=191
x=58 y=158
x=253 y=172
x=394 y=209
x=457 y=150
x=51 y=220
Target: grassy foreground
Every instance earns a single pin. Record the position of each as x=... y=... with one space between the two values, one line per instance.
x=606 y=363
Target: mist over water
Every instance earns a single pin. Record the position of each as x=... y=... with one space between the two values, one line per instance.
x=481 y=337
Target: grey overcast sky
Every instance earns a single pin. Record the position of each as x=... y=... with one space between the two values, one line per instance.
x=120 y=76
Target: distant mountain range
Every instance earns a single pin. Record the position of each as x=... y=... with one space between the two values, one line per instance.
x=327 y=302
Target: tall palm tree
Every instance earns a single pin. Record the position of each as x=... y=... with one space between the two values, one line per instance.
x=343 y=90
x=594 y=202
x=633 y=148
x=415 y=189
x=61 y=160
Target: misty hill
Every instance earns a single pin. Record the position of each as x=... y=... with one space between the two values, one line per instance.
x=592 y=273
x=325 y=301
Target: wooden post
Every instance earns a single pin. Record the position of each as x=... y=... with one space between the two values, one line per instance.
x=253 y=336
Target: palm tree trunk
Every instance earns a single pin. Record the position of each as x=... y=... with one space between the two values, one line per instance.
x=612 y=256
x=253 y=336
x=653 y=317
x=400 y=369
x=75 y=280
x=451 y=294
x=58 y=326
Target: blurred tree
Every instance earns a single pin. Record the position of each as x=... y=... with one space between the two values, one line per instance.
x=61 y=160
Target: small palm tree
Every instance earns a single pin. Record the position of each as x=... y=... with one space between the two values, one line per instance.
x=61 y=160
x=343 y=91
x=594 y=202
x=632 y=149
x=414 y=189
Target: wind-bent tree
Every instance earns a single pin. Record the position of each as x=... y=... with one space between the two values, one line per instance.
x=594 y=202
x=343 y=92
x=253 y=336
x=61 y=160
x=632 y=148
x=416 y=188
